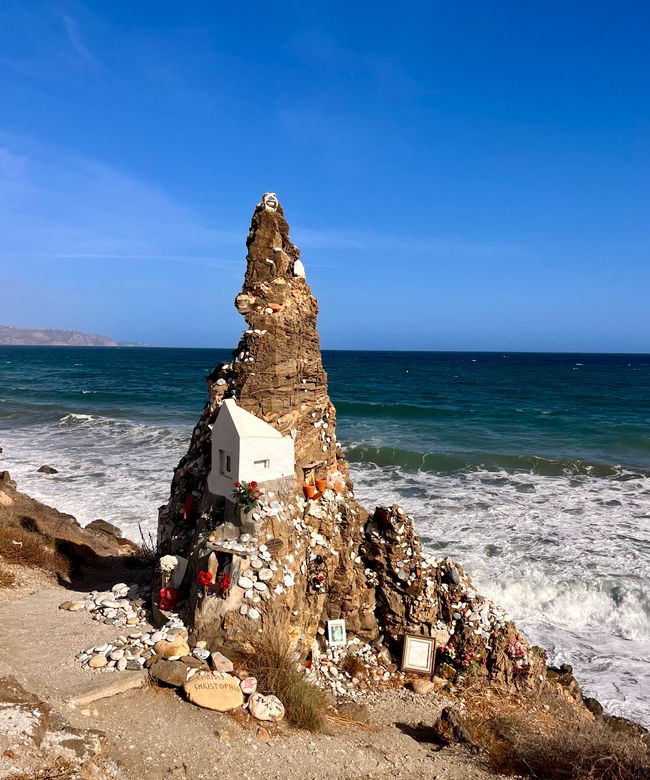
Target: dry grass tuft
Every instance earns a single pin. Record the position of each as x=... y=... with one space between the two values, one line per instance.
x=538 y=743
x=146 y=554
x=7 y=579
x=26 y=548
x=341 y=719
x=268 y=656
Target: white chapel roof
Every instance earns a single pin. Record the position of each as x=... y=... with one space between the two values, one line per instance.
x=247 y=424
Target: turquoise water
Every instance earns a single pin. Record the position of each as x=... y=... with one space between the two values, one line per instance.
x=532 y=469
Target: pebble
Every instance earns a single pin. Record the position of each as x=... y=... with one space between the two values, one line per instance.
x=245 y=583
x=221 y=663
x=248 y=685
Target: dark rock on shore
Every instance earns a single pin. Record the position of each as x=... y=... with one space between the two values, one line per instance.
x=58 y=533
x=104 y=527
x=47 y=470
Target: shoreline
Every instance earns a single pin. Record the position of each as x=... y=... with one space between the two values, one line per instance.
x=540 y=635
x=396 y=716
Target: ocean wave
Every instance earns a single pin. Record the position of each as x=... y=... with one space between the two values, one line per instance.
x=74 y=417
x=452 y=462
x=400 y=411
x=578 y=607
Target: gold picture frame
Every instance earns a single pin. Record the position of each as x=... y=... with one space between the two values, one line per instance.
x=418 y=654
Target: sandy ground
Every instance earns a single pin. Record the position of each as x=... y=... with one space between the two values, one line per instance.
x=153 y=733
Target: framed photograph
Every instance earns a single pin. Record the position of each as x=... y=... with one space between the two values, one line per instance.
x=418 y=654
x=336 y=634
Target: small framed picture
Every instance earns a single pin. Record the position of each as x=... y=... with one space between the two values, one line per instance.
x=336 y=634
x=418 y=654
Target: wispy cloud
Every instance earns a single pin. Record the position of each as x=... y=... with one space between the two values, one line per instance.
x=371 y=241
x=58 y=206
x=76 y=41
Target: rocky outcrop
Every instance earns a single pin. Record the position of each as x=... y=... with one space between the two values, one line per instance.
x=309 y=560
x=31 y=525
x=35 y=742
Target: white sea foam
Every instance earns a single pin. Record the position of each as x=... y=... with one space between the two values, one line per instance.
x=112 y=469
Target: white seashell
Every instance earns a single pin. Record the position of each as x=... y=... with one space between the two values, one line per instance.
x=299 y=269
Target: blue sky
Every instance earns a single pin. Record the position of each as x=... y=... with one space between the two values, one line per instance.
x=457 y=175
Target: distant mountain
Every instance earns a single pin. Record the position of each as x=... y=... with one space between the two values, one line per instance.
x=52 y=338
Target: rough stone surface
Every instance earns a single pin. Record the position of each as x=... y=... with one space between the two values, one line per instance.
x=172 y=673
x=422 y=687
x=103 y=526
x=178 y=647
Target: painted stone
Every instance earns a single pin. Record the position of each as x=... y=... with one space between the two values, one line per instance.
x=201 y=653
x=214 y=693
x=266 y=707
x=248 y=685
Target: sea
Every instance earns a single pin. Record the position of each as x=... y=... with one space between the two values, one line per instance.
x=532 y=470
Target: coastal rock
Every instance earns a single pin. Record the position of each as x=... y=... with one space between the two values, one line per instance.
x=220 y=693
x=47 y=470
x=5 y=500
x=60 y=535
x=268 y=708
x=173 y=673
x=422 y=687
x=102 y=526
x=176 y=648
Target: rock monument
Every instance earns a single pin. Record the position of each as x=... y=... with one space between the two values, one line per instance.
x=300 y=547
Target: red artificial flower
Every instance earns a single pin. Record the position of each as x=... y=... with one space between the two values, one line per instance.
x=168 y=597
x=253 y=484
x=236 y=484
x=224 y=581
x=205 y=578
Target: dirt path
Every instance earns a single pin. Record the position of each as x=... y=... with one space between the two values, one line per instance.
x=153 y=733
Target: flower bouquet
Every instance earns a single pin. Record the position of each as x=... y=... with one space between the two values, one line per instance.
x=167 y=565
x=206 y=579
x=246 y=495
